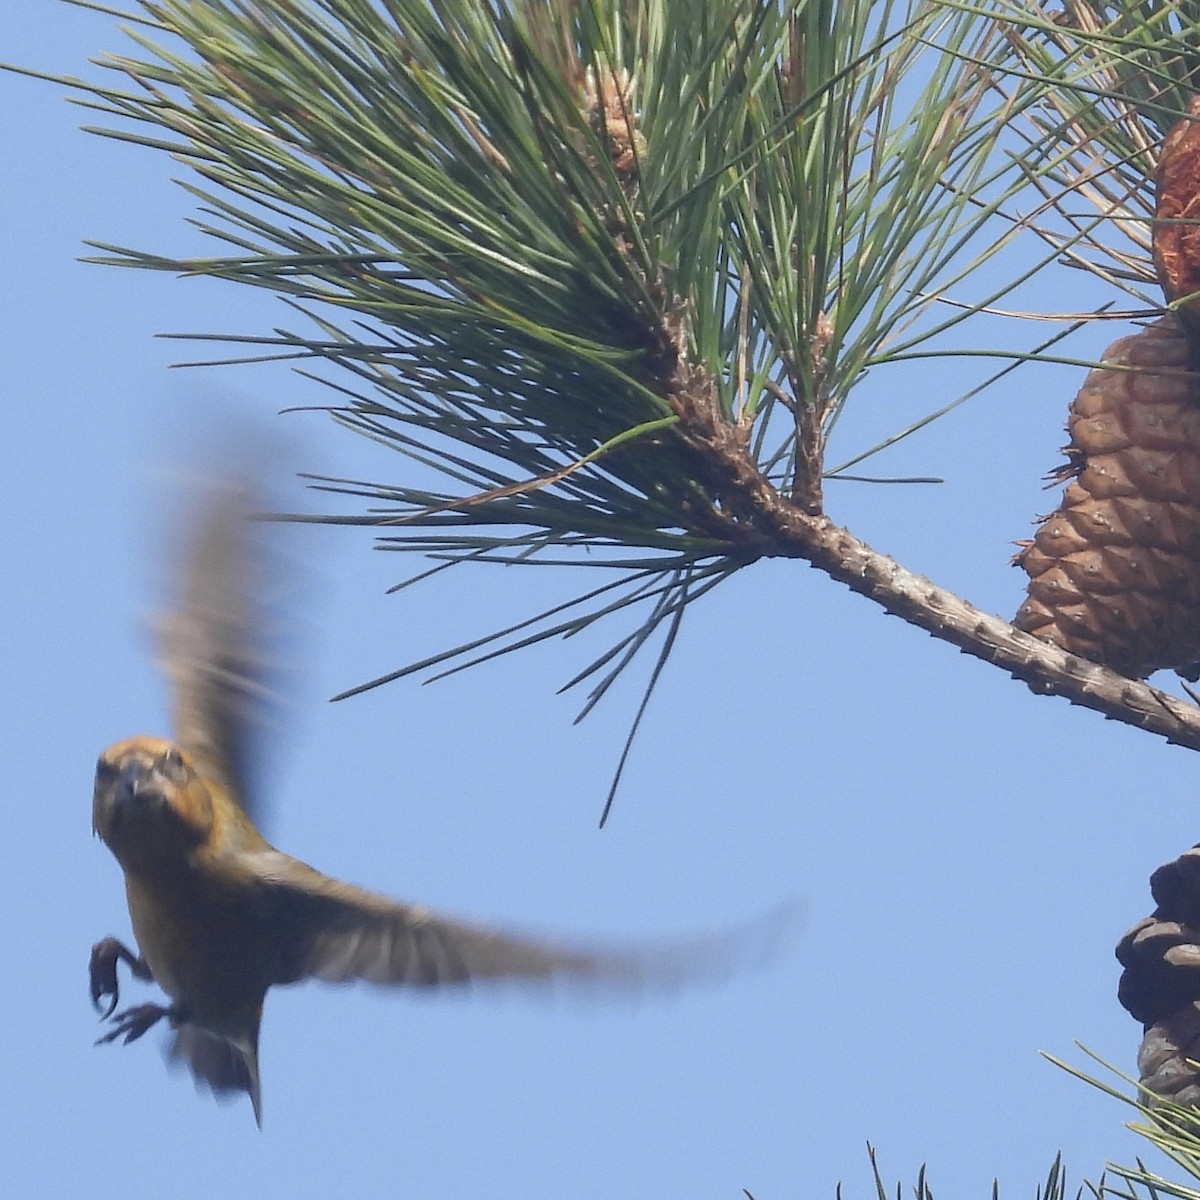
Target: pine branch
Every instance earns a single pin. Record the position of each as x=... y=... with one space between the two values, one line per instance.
x=613 y=271
x=788 y=532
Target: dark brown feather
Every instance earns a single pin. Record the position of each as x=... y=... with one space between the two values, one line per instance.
x=226 y=1069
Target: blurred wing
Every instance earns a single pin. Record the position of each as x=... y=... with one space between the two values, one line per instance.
x=336 y=932
x=212 y=645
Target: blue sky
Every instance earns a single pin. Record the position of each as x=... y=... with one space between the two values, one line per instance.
x=967 y=853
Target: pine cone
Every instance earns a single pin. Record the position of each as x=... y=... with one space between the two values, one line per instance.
x=1167 y=1058
x=1160 y=985
x=1115 y=570
x=1176 y=203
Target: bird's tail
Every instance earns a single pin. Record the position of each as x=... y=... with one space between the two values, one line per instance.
x=225 y=1065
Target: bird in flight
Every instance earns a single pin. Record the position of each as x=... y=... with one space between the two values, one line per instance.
x=219 y=915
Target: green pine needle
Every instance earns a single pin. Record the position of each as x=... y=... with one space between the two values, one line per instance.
x=556 y=253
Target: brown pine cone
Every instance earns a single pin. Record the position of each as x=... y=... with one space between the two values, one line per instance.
x=1176 y=203
x=1160 y=985
x=1115 y=570
x=1167 y=1057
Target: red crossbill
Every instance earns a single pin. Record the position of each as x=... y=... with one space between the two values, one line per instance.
x=221 y=916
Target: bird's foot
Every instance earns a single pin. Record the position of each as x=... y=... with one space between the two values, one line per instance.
x=102 y=971
x=133 y=1022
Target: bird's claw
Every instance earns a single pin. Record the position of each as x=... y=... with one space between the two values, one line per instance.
x=133 y=1022
x=102 y=972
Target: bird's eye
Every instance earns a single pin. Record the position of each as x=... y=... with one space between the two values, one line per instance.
x=105 y=770
x=173 y=765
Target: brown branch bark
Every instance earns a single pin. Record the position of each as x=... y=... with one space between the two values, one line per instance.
x=1044 y=667
x=769 y=525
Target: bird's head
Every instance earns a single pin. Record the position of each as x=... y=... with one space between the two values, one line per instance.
x=150 y=805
